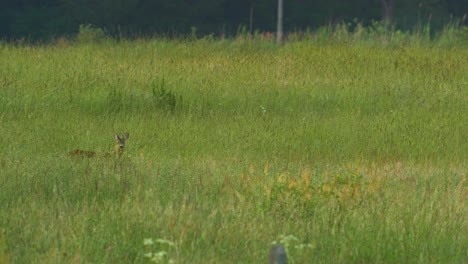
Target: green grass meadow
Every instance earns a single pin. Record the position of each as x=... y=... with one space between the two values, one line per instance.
x=345 y=153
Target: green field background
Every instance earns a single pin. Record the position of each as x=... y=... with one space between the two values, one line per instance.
x=345 y=153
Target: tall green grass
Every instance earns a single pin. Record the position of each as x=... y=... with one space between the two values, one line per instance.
x=345 y=152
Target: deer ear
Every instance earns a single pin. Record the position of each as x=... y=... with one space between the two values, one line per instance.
x=126 y=135
x=117 y=137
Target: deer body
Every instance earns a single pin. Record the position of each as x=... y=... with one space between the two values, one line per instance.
x=119 y=148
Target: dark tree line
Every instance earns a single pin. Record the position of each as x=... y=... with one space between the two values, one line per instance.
x=44 y=19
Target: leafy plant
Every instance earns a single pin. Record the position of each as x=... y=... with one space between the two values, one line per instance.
x=164 y=98
x=161 y=250
x=90 y=34
x=115 y=101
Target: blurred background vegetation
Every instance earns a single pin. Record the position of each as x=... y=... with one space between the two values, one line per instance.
x=42 y=20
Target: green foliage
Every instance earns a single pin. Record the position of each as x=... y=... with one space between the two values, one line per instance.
x=165 y=250
x=115 y=101
x=345 y=151
x=163 y=98
x=90 y=34
x=380 y=34
x=34 y=21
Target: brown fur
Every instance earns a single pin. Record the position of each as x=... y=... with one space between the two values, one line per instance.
x=119 y=148
x=81 y=153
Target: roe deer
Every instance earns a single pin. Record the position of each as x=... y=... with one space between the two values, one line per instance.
x=119 y=148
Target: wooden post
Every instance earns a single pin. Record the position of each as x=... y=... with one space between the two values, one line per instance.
x=279 y=26
x=251 y=19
